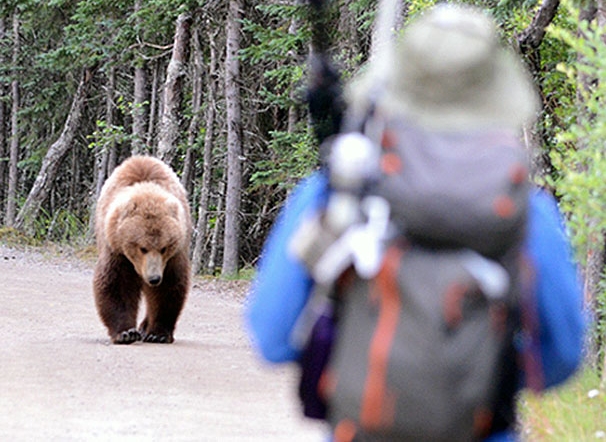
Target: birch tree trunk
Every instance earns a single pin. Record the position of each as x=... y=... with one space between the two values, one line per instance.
x=103 y=155
x=194 y=124
x=3 y=133
x=11 y=197
x=105 y=152
x=139 y=113
x=209 y=119
x=293 y=116
x=54 y=157
x=173 y=91
x=596 y=261
x=139 y=96
x=348 y=28
x=529 y=41
x=214 y=241
x=153 y=103
x=234 y=143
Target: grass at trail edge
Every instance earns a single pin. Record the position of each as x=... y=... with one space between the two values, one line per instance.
x=574 y=412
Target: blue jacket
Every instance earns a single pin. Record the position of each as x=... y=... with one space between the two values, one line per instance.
x=282 y=285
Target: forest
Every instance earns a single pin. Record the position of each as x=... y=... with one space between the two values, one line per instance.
x=217 y=89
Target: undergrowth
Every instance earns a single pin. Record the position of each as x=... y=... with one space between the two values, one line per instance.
x=575 y=412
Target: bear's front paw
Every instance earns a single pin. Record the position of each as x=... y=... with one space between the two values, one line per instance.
x=158 y=338
x=127 y=336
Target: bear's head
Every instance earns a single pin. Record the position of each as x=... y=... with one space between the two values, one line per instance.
x=147 y=225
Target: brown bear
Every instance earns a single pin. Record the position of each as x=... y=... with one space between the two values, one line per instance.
x=143 y=229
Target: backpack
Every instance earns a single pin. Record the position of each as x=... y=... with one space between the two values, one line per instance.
x=424 y=349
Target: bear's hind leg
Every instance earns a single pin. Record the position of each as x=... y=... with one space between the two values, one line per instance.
x=117 y=290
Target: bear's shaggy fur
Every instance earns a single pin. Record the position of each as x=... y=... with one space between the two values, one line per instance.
x=143 y=229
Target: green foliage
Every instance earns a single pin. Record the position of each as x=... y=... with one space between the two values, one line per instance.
x=599 y=328
x=580 y=158
x=294 y=155
x=277 y=51
x=106 y=136
x=559 y=93
x=13 y=237
x=574 y=412
x=365 y=12
x=61 y=225
x=276 y=48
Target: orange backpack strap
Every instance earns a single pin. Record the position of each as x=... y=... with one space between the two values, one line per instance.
x=378 y=404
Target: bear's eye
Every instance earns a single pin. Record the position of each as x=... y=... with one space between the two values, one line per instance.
x=143 y=250
x=163 y=250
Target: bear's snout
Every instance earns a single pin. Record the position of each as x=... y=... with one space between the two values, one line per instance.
x=155 y=280
x=153 y=268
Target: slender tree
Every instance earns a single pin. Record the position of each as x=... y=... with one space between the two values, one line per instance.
x=234 y=142
x=209 y=122
x=153 y=102
x=3 y=133
x=140 y=96
x=196 y=103
x=138 y=112
x=54 y=157
x=11 y=198
x=529 y=42
x=173 y=91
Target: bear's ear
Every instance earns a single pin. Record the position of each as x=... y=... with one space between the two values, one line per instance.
x=128 y=210
x=174 y=208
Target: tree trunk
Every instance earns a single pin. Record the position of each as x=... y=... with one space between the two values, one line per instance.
x=104 y=152
x=173 y=91
x=53 y=158
x=388 y=19
x=596 y=264
x=138 y=112
x=73 y=203
x=139 y=96
x=530 y=38
x=3 y=134
x=11 y=198
x=110 y=152
x=529 y=41
x=209 y=118
x=234 y=142
x=102 y=155
x=153 y=104
x=194 y=124
x=293 y=116
x=349 y=44
x=214 y=242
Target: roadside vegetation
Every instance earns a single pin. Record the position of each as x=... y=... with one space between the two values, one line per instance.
x=574 y=412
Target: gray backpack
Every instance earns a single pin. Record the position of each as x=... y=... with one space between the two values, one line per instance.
x=424 y=350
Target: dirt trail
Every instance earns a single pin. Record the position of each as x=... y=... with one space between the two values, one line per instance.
x=61 y=380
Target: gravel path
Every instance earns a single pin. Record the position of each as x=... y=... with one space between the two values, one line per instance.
x=61 y=380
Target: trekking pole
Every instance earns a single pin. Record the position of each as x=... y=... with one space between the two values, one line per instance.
x=383 y=38
x=318 y=20
x=324 y=94
x=385 y=24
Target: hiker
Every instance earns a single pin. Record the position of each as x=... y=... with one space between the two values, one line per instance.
x=447 y=77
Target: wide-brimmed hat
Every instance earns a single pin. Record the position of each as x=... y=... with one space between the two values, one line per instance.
x=449 y=71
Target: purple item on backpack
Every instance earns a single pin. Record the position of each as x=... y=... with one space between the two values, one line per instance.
x=313 y=362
